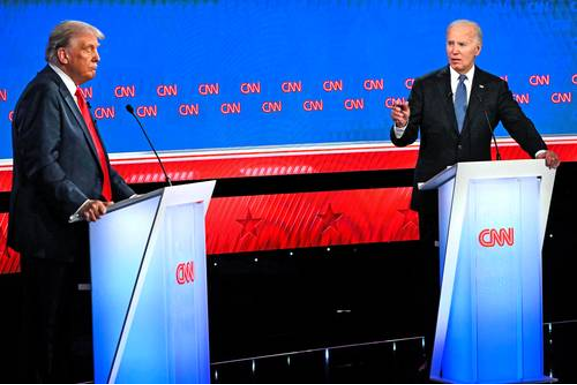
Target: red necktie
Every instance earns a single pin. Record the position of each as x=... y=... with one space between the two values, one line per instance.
x=106 y=188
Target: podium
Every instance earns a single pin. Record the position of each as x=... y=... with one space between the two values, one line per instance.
x=492 y=219
x=149 y=288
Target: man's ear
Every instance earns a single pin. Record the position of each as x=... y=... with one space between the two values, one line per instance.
x=478 y=50
x=62 y=55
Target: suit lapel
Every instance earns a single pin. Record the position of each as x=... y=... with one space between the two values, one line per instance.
x=475 y=107
x=446 y=98
x=78 y=116
x=73 y=107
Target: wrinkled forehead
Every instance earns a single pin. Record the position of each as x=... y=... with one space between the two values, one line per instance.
x=83 y=39
x=462 y=32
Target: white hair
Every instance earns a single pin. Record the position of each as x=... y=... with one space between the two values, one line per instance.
x=63 y=33
x=476 y=26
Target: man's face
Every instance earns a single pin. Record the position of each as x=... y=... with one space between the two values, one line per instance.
x=80 y=58
x=462 y=47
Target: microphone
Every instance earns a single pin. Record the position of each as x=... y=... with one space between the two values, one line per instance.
x=91 y=117
x=497 y=153
x=130 y=110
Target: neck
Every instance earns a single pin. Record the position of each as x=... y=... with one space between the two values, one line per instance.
x=65 y=70
x=463 y=72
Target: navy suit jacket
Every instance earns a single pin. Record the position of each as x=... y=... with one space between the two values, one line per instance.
x=433 y=115
x=56 y=170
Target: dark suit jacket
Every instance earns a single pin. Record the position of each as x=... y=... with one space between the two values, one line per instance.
x=55 y=170
x=433 y=114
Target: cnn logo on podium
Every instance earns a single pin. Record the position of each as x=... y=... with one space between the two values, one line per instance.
x=185 y=273
x=497 y=237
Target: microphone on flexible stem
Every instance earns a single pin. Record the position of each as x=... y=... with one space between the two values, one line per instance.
x=91 y=117
x=130 y=110
x=497 y=153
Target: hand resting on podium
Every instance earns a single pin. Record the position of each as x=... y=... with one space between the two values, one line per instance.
x=92 y=210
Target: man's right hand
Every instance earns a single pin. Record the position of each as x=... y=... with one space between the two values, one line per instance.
x=93 y=210
x=401 y=114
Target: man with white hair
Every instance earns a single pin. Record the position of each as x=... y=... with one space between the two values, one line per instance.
x=61 y=179
x=455 y=110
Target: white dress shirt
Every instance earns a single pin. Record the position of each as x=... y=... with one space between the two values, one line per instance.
x=399 y=131
x=68 y=82
x=468 y=82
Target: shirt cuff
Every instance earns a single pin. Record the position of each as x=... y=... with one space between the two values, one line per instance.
x=399 y=131
x=540 y=152
x=76 y=216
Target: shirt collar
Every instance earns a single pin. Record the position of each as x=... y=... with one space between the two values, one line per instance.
x=68 y=82
x=455 y=75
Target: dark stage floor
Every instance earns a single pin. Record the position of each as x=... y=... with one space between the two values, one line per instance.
x=392 y=361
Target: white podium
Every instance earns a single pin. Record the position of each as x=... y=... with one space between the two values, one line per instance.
x=149 y=288
x=492 y=219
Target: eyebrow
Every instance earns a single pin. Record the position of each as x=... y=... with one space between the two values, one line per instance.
x=459 y=41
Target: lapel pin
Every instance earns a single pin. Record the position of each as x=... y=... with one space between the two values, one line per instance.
x=481 y=86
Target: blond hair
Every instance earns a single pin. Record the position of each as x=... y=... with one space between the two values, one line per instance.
x=63 y=33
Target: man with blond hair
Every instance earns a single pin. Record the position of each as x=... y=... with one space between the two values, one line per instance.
x=61 y=179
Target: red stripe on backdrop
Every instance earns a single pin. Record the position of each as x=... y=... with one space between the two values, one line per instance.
x=269 y=222
x=320 y=159
x=312 y=162
x=288 y=221
x=5 y=178
x=9 y=260
x=196 y=168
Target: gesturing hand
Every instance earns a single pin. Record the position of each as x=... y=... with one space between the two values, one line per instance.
x=401 y=114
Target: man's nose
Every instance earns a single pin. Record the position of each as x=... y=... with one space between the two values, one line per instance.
x=96 y=57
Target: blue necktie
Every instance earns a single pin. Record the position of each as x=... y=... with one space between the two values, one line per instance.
x=461 y=102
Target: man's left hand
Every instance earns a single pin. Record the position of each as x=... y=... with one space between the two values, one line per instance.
x=551 y=158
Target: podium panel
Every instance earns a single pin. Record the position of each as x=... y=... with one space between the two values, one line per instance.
x=119 y=270
x=492 y=217
x=150 y=307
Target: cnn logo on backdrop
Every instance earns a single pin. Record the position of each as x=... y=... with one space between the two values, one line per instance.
x=185 y=273
x=497 y=237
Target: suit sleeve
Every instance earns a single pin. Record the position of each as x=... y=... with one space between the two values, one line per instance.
x=519 y=126
x=120 y=189
x=37 y=144
x=412 y=131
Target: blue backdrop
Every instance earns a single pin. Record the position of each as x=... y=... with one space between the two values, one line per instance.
x=183 y=49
